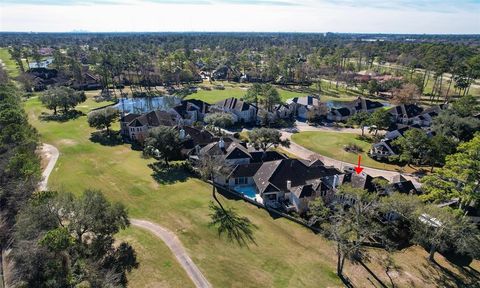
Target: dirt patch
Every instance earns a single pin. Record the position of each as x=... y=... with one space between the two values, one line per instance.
x=67 y=142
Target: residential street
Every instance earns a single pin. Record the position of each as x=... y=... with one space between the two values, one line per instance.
x=304 y=153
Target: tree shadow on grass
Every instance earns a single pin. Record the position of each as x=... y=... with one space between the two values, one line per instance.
x=436 y=274
x=173 y=173
x=111 y=138
x=61 y=117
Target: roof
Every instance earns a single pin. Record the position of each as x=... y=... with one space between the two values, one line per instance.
x=245 y=170
x=231 y=149
x=129 y=117
x=406 y=187
x=153 y=119
x=277 y=173
x=191 y=105
x=234 y=104
x=361 y=104
x=199 y=136
x=260 y=156
x=305 y=100
x=406 y=110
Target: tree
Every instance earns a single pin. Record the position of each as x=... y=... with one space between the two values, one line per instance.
x=103 y=118
x=64 y=97
x=459 y=178
x=220 y=120
x=361 y=119
x=317 y=212
x=407 y=94
x=450 y=124
x=466 y=106
x=380 y=120
x=162 y=142
x=442 y=229
x=264 y=95
x=253 y=93
x=352 y=223
x=413 y=146
x=237 y=228
x=264 y=138
x=62 y=241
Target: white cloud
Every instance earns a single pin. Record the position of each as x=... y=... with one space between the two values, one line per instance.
x=311 y=16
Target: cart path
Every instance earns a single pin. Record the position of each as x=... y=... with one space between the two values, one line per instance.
x=51 y=153
x=177 y=249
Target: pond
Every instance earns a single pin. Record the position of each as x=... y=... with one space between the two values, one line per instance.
x=147 y=104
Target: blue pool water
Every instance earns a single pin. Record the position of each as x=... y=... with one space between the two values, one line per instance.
x=248 y=191
x=145 y=105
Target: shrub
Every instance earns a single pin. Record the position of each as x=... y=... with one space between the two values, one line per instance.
x=353 y=148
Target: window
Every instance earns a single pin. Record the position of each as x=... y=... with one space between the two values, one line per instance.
x=241 y=181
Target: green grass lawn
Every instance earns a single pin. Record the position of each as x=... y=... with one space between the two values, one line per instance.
x=285 y=254
x=235 y=90
x=158 y=266
x=10 y=65
x=331 y=144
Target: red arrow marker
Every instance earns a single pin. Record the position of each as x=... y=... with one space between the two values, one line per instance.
x=359 y=169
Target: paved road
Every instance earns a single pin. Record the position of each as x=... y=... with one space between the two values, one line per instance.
x=51 y=154
x=177 y=248
x=304 y=153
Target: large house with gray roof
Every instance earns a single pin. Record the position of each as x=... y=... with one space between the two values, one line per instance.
x=350 y=108
x=239 y=109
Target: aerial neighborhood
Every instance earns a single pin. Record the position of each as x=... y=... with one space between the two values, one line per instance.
x=239 y=159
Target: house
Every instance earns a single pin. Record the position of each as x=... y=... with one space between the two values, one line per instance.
x=226 y=72
x=139 y=126
x=383 y=150
x=425 y=119
x=405 y=113
x=239 y=109
x=358 y=105
x=339 y=114
x=364 y=105
x=292 y=183
x=365 y=182
x=89 y=81
x=237 y=153
x=282 y=111
x=307 y=107
x=124 y=121
x=190 y=111
x=192 y=138
x=233 y=153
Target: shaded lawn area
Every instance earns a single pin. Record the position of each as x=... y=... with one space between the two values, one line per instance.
x=331 y=144
x=10 y=65
x=286 y=254
x=158 y=266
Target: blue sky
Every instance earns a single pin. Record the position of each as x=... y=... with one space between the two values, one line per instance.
x=388 y=16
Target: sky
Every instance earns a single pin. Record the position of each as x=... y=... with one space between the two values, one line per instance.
x=355 y=16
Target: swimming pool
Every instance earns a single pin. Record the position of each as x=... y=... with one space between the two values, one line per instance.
x=248 y=191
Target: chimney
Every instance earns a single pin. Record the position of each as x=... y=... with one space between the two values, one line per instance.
x=221 y=143
x=335 y=181
x=289 y=185
x=182 y=134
